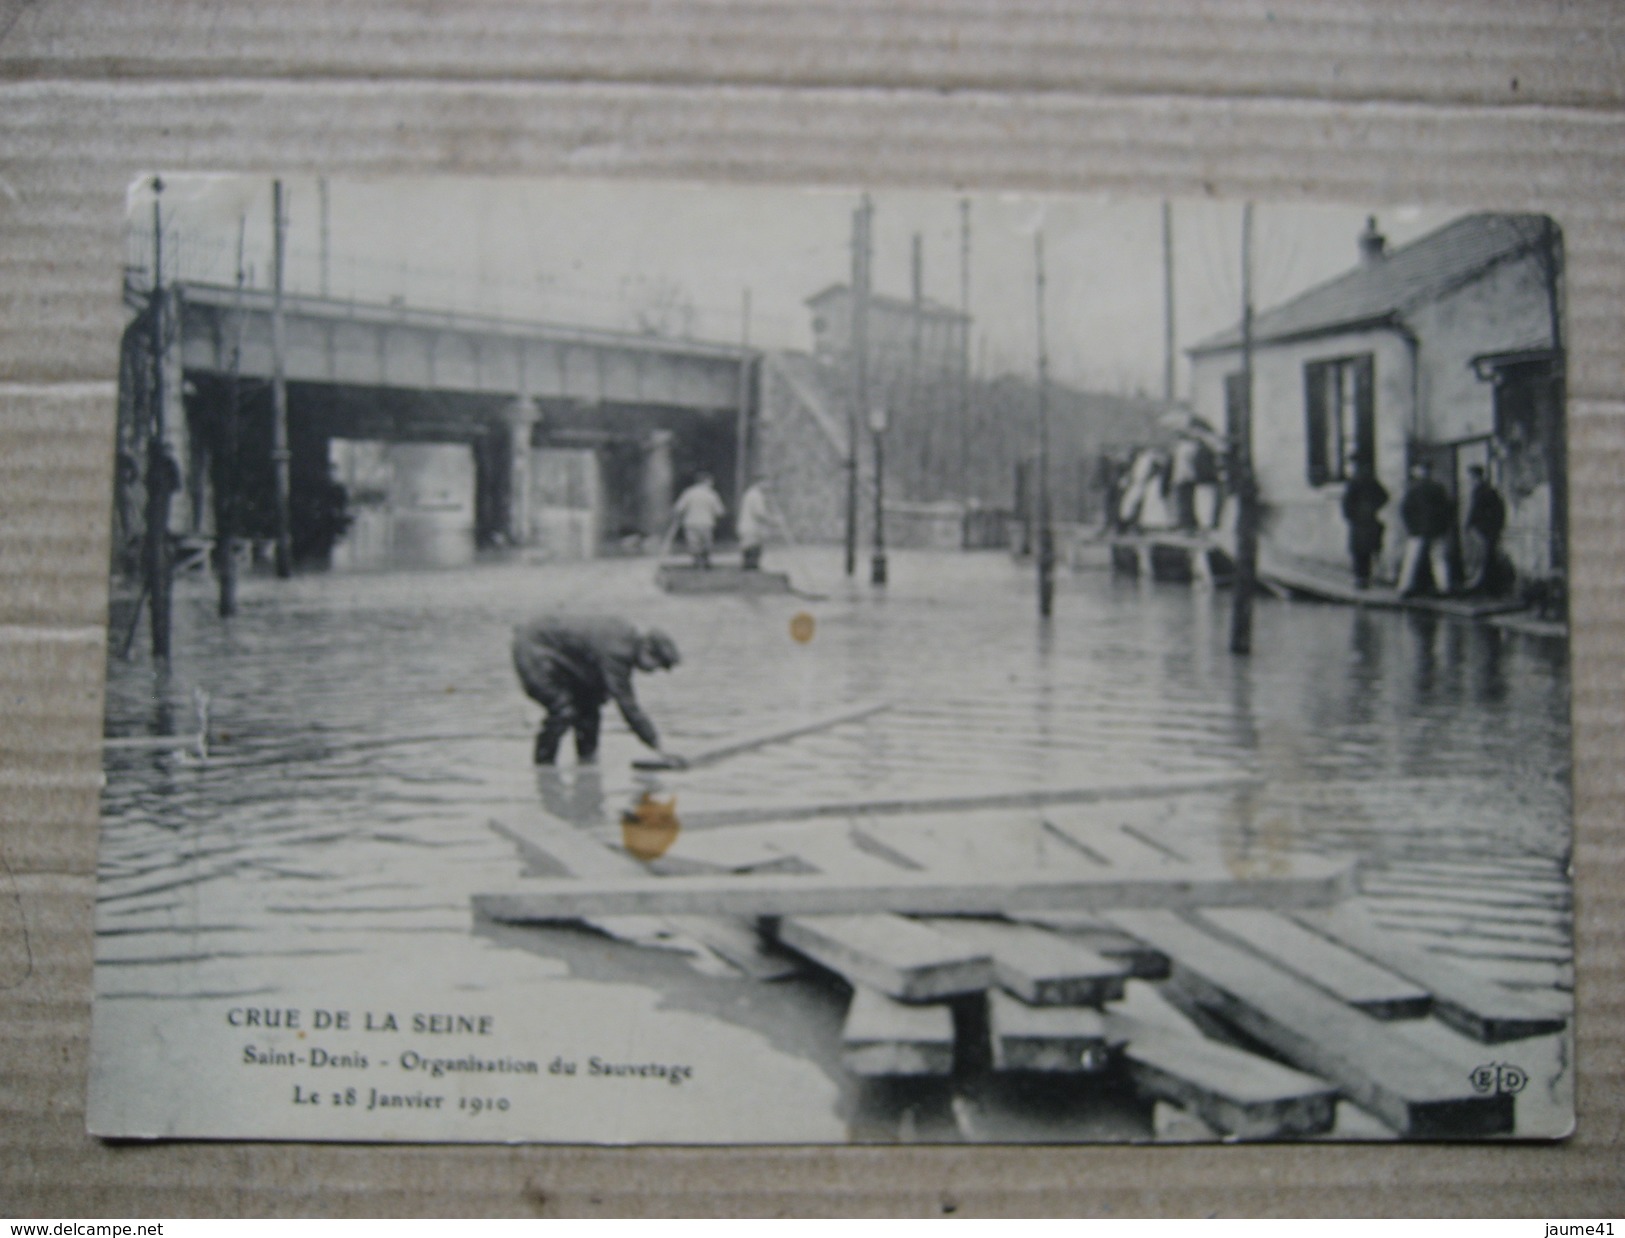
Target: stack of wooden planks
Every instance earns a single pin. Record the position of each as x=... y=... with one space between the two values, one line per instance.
x=1255 y=997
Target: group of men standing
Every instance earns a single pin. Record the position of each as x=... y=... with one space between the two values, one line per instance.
x=699 y=509
x=1428 y=513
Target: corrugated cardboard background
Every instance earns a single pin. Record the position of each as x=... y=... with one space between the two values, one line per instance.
x=1517 y=105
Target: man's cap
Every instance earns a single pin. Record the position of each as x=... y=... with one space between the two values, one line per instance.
x=661 y=647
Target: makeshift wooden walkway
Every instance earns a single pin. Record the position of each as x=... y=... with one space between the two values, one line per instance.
x=719 y=578
x=1172 y=556
x=1328 y=585
x=1056 y=939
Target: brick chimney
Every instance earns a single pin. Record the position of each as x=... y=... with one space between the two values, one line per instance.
x=1373 y=244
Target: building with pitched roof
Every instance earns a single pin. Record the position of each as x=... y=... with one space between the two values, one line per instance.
x=1448 y=349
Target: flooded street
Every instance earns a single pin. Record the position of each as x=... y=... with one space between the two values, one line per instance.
x=365 y=730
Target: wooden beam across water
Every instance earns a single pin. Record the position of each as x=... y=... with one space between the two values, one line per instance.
x=1480 y=1008
x=1236 y=1093
x=884 y=1038
x=1415 y=1092
x=762 y=738
x=889 y=954
x=1316 y=882
x=1027 y=797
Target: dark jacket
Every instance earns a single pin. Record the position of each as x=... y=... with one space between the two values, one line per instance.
x=1363 y=498
x=1427 y=509
x=591 y=657
x=1486 y=511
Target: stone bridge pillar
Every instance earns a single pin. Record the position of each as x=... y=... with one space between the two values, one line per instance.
x=520 y=418
x=657 y=482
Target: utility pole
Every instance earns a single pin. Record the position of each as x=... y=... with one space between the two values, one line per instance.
x=921 y=425
x=229 y=477
x=742 y=429
x=859 y=410
x=162 y=481
x=1168 y=301
x=1046 y=535
x=877 y=563
x=964 y=348
x=326 y=251
x=1556 y=419
x=281 y=457
x=1241 y=461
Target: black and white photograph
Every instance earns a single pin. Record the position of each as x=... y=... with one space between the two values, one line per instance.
x=633 y=662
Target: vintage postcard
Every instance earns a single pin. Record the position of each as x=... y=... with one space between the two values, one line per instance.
x=649 y=663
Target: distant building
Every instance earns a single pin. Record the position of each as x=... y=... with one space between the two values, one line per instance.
x=897 y=328
x=1448 y=349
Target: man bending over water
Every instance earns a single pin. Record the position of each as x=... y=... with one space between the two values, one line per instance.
x=572 y=665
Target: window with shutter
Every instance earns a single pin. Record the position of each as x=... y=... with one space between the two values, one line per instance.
x=1339 y=420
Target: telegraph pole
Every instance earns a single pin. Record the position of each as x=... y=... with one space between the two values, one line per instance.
x=1556 y=419
x=1046 y=535
x=280 y=455
x=162 y=481
x=229 y=479
x=924 y=427
x=326 y=252
x=877 y=563
x=1241 y=461
x=859 y=411
x=1168 y=301
x=742 y=426
x=964 y=348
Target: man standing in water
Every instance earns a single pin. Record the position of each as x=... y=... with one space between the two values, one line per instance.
x=756 y=517
x=571 y=666
x=1363 y=498
x=1486 y=519
x=697 y=510
x=1429 y=516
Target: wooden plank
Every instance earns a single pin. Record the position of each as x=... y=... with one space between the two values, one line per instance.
x=773 y=735
x=1141 y=961
x=892 y=955
x=1347 y=976
x=1413 y=1091
x=1317 y=882
x=1236 y=1093
x=739 y=942
x=719 y=578
x=1054 y=1039
x=734 y=851
x=1039 y=967
x=968 y=842
x=1479 y=1008
x=568 y=851
x=1105 y=843
x=885 y=1037
x=1172 y=784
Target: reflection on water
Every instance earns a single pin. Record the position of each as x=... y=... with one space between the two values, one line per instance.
x=366 y=729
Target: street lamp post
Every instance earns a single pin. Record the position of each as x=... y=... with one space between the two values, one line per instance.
x=877 y=565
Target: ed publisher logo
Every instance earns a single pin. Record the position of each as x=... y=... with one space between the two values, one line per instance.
x=1500 y=1078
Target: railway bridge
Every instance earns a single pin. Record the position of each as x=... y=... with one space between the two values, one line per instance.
x=502 y=427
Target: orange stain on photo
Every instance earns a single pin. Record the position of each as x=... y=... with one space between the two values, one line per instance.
x=649 y=830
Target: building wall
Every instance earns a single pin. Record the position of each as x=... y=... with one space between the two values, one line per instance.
x=942 y=335
x=1297 y=518
x=1506 y=309
x=805 y=468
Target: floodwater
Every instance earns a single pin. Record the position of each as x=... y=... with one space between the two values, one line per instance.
x=366 y=729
